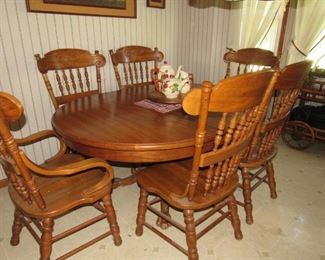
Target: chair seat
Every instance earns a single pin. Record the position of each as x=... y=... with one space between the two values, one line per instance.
x=169 y=181
x=63 y=193
x=256 y=163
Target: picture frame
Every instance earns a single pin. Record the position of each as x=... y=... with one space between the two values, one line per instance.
x=113 y=8
x=156 y=3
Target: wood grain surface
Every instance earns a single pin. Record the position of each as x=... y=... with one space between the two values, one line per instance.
x=112 y=127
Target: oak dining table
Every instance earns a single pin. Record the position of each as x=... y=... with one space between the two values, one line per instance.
x=112 y=127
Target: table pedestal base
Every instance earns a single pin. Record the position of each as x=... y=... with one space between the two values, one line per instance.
x=117 y=182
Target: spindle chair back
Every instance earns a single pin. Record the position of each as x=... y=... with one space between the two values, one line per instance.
x=69 y=74
x=263 y=147
x=133 y=65
x=249 y=60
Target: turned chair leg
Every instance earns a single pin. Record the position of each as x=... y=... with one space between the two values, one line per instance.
x=232 y=206
x=271 y=179
x=190 y=234
x=247 y=193
x=111 y=218
x=164 y=208
x=16 y=228
x=46 y=239
x=142 y=207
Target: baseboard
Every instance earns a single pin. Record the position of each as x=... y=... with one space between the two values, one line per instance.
x=3 y=183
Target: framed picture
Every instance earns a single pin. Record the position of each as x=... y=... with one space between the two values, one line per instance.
x=115 y=8
x=156 y=3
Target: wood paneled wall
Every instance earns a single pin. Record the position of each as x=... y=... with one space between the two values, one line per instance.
x=190 y=33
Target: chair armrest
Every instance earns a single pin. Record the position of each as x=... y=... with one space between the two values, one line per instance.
x=68 y=169
x=33 y=138
x=39 y=136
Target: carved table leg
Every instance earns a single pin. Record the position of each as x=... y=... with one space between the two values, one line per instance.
x=132 y=178
x=164 y=208
x=117 y=182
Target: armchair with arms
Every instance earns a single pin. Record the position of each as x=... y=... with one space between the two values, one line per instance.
x=43 y=193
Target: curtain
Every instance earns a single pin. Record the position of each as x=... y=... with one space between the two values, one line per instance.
x=256 y=19
x=309 y=25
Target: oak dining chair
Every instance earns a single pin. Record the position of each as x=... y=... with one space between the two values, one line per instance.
x=257 y=166
x=43 y=193
x=133 y=64
x=209 y=179
x=248 y=60
x=69 y=74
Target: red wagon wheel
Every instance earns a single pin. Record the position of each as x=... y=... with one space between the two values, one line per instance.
x=298 y=135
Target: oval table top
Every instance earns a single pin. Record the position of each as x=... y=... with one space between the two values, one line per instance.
x=110 y=126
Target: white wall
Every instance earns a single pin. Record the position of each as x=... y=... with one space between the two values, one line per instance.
x=192 y=33
x=203 y=37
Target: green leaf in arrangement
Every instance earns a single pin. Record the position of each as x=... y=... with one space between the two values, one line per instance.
x=175 y=87
x=316 y=72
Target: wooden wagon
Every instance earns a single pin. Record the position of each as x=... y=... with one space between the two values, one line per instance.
x=299 y=134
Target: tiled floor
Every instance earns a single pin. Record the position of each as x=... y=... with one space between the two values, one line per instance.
x=292 y=227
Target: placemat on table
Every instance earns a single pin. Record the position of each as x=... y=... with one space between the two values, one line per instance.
x=159 y=107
